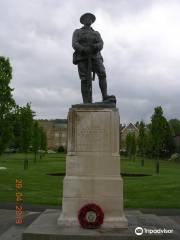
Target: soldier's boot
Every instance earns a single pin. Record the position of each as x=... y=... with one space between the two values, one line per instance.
x=103 y=87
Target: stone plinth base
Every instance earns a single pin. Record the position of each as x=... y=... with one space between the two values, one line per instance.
x=104 y=191
x=45 y=228
x=93 y=166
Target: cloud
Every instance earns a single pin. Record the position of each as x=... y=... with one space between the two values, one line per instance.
x=141 y=54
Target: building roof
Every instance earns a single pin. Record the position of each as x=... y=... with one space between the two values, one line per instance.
x=58 y=123
x=131 y=125
x=61 y=125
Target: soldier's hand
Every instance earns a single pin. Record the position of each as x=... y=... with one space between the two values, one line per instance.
x=87 y=50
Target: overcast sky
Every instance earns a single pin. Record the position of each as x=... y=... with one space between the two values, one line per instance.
x=141 y=54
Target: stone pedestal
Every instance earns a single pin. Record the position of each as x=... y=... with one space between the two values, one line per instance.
x=93 y=166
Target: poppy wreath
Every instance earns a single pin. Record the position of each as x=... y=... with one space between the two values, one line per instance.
x=90 y=216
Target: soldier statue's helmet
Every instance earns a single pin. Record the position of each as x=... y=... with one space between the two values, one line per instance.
x=87 y=15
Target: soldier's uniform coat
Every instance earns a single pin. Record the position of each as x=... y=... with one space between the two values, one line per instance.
x=88 y=38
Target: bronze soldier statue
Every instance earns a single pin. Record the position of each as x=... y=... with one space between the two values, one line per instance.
x=87 y=44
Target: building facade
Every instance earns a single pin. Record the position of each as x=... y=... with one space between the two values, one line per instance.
x=177 y=143
x=56 y=131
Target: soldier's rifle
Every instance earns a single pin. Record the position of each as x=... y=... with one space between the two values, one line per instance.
x=89 y=75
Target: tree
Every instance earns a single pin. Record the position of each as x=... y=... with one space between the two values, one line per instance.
x=43 y=144
x=131 y=145
x=142 y=141
x=160 y=133
x=175 y=126
x=27 y=126
x=17 y=129
x=128 y=145
x=134 y=145
x=36 y=139
x=61 y=149
x=175 y=131
x=149 y=144
x=169 y=141
x=7 y=103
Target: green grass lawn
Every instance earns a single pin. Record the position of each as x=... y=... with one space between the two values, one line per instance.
x=156 y=191
x=38 y=187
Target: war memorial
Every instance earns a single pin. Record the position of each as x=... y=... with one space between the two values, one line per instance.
x=92 y=206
